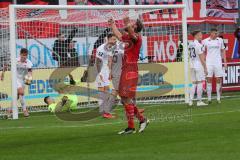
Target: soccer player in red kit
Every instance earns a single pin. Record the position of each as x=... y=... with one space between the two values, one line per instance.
x=132 y=42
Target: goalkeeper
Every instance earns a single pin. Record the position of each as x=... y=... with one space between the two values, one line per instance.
x=66 y=104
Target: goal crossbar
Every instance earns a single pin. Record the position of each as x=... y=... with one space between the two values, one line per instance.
x=97 y=7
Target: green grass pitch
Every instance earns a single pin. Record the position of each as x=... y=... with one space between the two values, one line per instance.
x=176 y=132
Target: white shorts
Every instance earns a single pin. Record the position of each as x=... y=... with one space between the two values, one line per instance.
x=115 y=82
x=20 y=84
x=216 y=70
x=197 y=74
x=103 y=82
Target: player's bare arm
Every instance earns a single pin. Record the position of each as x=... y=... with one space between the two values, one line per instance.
x=115 y=30
x=223 y=53
x=203 y=62
x=98 y=64
x=110 y=62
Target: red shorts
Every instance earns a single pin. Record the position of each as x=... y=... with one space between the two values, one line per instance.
x=128 y=82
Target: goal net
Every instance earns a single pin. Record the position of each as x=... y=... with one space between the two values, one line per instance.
x=62 y=42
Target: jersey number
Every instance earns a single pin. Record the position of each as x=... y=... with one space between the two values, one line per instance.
x=115 y=58
x=192 y=52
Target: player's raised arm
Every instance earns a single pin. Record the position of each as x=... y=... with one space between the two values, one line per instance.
x=115 y=30
x=101 y=38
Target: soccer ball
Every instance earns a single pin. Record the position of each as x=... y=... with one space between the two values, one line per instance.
x=28 y=79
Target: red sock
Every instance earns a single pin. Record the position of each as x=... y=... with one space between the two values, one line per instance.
x=138 y=114
x=130 y=115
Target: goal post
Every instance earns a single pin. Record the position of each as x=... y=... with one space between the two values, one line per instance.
x=165 y=26
x=12 y=26
x=185 y=51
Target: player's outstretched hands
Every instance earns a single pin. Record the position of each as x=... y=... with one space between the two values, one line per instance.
x=126 y=20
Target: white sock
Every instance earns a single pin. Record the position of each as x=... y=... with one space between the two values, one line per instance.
x=192 y=92
x=110 y=102
x=102 y=101
x=218 y=88
x=199 y=91
x=23 y=103
x=209 y=91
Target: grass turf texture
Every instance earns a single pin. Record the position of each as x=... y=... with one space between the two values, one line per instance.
x=176 y=132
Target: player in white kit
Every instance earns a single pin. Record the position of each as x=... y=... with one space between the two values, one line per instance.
x=198 y=68
x=115 y=64
x=215 y=50
x=102 y=58
x=24 y=68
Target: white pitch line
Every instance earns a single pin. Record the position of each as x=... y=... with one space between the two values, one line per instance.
x=113 y=123
x=152 y=105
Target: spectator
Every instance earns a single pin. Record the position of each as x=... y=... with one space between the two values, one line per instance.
x=180 y=50
x=2 y=71
x=72 y=60
x=72 y=55
x=237 y=35
x=62 y=51
x=3 y=68
x=61 y=46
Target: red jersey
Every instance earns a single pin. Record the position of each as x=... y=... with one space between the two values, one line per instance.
x=132 y=50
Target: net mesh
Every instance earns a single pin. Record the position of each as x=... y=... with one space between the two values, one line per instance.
x=161 y=76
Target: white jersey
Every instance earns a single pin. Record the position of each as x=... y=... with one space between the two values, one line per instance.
x=195 y=49
x=213 y=48
x=117 y=56
x=23 y=68
x=103 y=53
